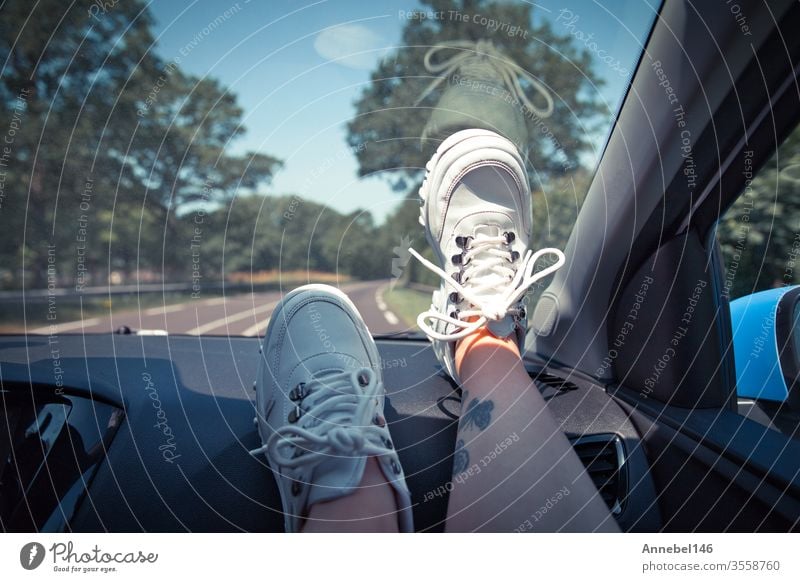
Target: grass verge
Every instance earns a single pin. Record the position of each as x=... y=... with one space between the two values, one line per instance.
x=407 y=303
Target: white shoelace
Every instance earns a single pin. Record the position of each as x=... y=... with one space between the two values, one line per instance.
x=488 y=269
x=354 y=434
x=510 y=71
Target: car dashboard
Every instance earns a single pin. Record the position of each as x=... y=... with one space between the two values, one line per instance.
x=148 y=433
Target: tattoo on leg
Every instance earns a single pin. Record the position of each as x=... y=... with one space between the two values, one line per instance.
x=460 y=458
x=478 y=414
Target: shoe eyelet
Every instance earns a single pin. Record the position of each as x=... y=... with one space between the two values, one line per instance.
x=363 y=379
x=522 y=313
x=395 y=467
x=388 y=443
x=457 y=276
x=295 y=414
x=514 y=256
x=297 y=487
x=454 y=314
x=457 y=259
x=510 y=237
x=462 y=242
x=454 y=298
x=298 y=392
x=378 y=420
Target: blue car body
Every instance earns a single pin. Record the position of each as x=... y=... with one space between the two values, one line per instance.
x=758 y=368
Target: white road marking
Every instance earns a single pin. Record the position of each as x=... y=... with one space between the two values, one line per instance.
x=255 y=329
x=215 y=301
x=225 y=321
x=68 y=326
x=165 y=309
x=388 y=315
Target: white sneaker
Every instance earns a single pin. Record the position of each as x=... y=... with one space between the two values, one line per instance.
x=319 y=400
x=476 y=210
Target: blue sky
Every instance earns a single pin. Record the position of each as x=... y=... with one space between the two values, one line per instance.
x=298 y=66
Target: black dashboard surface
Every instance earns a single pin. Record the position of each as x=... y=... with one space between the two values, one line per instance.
x=179 y=459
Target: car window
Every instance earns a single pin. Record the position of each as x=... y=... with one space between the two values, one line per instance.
x=174 y=168
x=759 y=237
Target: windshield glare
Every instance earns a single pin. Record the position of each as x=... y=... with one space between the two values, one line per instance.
x=176 y=169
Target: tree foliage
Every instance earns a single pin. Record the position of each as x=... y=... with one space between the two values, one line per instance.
x=109 y=145
x=115 y=160
x=759 y=235
x=388 y=119
x=259 y=233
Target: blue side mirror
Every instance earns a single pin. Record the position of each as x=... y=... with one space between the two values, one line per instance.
x=766 y=347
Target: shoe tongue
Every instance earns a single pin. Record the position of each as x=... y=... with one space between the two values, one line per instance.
x=337 y=475
x=487 y=230
x=328 y=385
x=493 y=282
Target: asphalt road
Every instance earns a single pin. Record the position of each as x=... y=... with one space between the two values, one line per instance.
x=237 y=315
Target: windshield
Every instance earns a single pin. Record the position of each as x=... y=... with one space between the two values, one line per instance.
x=173 y=167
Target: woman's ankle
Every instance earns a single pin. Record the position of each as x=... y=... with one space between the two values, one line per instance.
x=476 y=349
x=372 y=507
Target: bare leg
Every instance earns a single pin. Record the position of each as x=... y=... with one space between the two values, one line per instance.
x=514 y=470
x=371 y=508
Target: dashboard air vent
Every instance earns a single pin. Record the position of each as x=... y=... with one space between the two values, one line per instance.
x=555 y=382
x=603 y=455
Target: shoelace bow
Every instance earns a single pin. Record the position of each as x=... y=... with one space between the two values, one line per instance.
x=509 y=71
x=297 y=445
x=487 y=265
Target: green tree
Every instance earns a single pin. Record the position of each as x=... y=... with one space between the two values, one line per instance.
x=260 y=233
x=556 y=207
x=111 y=143
x=61 y=76
x=390 y=123
x=179 y=156
x=182 y=136
x=759 y=235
